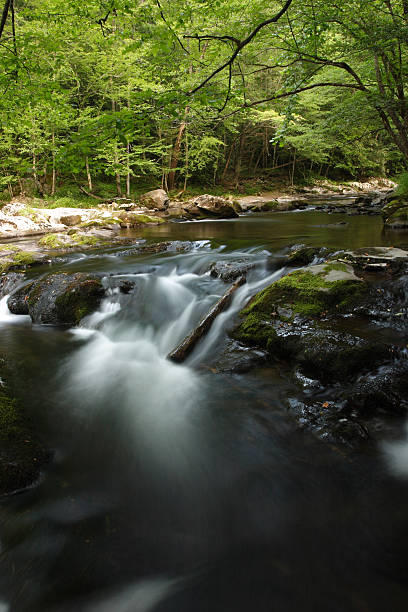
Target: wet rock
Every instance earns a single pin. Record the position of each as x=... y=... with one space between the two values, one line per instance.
x=156 y=199
x=328 y=355
x=215 y=206
x=229 y=271
x=286 y=320
x=9 y=282
x=58 y=299
x=386 y=305
x=132 y=219
x=302 y=255
x=13 y=257
x=239 y=359
x=395 y=213
x=329 y=421
x=377 y=258
x=384 y=391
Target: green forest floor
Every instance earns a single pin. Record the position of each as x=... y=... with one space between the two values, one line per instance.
x=69 y=195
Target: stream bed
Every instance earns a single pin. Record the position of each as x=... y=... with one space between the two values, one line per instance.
x=190 y=488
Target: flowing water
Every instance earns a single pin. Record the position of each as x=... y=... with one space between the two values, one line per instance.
x=182 y=488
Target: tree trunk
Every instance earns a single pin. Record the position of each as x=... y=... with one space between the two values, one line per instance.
x=53 y=165
x=171 y=179
x=128 y=169
x=88 y=174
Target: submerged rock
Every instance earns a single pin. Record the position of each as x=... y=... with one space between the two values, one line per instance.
x=58 y=299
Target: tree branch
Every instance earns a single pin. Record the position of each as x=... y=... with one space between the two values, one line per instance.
x=243 y=44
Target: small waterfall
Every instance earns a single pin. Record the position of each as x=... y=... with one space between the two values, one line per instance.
x=122 y=362
x=7 y=317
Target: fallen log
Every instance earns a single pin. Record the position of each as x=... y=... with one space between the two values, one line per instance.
x=187 y=345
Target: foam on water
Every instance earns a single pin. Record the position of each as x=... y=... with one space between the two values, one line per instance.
x=6 y=317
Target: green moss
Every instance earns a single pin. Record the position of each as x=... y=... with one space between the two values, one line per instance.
x=304 y=293
x=256 y=330
x=141 y=219
x=100 y=222
x=23 y=258
x=16 y=259
x=83 y=240
x=307 y=293
x=52 y=241
x=270 y=205
x=8 y=247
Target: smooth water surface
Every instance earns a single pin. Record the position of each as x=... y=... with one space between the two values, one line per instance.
x=182 y=488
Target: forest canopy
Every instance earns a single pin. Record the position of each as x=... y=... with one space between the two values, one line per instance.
x=138 y=92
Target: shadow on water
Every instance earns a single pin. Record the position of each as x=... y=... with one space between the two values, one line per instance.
x=176 y=489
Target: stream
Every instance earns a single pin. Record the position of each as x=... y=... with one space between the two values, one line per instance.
x=188 y=488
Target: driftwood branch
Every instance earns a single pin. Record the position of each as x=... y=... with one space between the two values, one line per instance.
x=89 y=194
x=187 y=345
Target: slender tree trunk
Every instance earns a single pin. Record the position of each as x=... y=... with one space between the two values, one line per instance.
x=88 y=174
x=176 y=152
x=128 y=169
x=186 y=161
x=53 y=165
x=227 y=163
x=293 y=168
x=238 y=161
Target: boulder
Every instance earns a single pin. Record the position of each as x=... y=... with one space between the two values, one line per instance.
x=395 y=213
x=156 y=199
x=302 y=255
x=229 y=271
x=132 y=219
x=285 y=318
x=377 y=258
x=215 y=206
x=58 y=299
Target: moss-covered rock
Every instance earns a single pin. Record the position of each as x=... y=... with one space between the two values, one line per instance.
x=285 y=319
x=13 y=257
x=130 y=219
x=54 y=241
x=312 y=291
x=58 y=299
x=395 y=213
x=303 y=255
x=21 y=453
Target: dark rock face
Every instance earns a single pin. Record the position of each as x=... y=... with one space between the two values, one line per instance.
x=230 y=271
x=320 y=323
x=9 y=282
x=301 y=255
x=58 y=299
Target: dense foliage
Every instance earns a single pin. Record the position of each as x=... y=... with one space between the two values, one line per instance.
x=140 y=92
